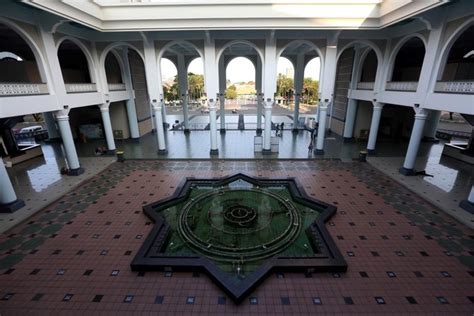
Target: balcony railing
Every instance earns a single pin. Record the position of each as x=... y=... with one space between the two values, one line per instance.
x=464 y=87
x=80 y=87
x=402 y=85
x=117 y=86
x=18 y=89
x=365 y=85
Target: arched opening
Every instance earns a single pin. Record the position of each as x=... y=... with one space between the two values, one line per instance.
x=240 y=93
x=17 y=60
x=74 y=64
x=310 y=92
x=460 y=61
x=113 y=70
x=183 y=86
x=298 y=74
x=369 y=67
x=169 y=78
x=408 y=61
x=285 y=88
x=240 y=73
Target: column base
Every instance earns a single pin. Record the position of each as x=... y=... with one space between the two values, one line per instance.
x=162 y=151
x=407 y=172
x=295 y=130
x=348 y=139
x=222 y=131
x=371 y=152
x=319 y=151
x=259 y=131
x=111 y=152
x=266 y=151
x=187 y=131
x=430 y=140
x=466 y=205
x=75 y=172
x=214 y=152
x=12 y=206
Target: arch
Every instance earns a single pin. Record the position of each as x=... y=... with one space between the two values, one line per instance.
x=363 y=59
x=85 y=51
x=368 y=43
x=226 y=66
x=245 y=42
x=168 y=45
x=441 y=64
x=112 y=46
x=119 y=61
x=246 y=57
x=40 y=60
x=314 y=46
x=396 y=50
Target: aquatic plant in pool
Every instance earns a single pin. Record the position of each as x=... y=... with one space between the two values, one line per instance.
x=239 y=229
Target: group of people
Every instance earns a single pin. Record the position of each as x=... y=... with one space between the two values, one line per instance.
x=279 y=129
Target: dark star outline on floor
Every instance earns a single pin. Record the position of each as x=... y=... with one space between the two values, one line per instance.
x=150 y=257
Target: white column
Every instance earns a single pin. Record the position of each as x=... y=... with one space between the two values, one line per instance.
x=350 y=119
x=210 y=77
x=267 y=134
x=351 y=110
x=50 y=126
x=298 y=80
x=130 y=103
x=258 y=88
x=72 y=160
x=183 y=89
x=56 y=85
x=431 y=126
x=323 y=112
x=222 y=88
x=415 y=139
x=160 y=135
x=374 y=127
x=327 y=91
x=269 y=84
x=109 y=134
x=432 y=54
x=154 y=84
x=8 y=200
x=213 y=126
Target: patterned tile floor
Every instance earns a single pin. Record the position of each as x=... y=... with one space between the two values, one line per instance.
x=404 y=255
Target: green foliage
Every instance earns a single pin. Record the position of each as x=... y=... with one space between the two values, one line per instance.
x=310 y=88
x=195 y=88
x=231 y=92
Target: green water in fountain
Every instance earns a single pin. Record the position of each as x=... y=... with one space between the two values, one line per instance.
x=239 y=225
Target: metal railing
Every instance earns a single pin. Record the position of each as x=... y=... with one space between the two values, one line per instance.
x=401 y=85
x=80 y=87
x=116 y=86
x=365 y=85
x=464 y=87
x=18 y=89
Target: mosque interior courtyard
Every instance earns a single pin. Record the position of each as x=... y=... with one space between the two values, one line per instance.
x=403 y=254
x=203 y=157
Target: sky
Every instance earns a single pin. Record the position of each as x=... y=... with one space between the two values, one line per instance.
x=241 y=69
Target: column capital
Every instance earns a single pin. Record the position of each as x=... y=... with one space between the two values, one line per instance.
x=421 y=116
x=104 y=107
x=378 y=106
x=62 y=115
